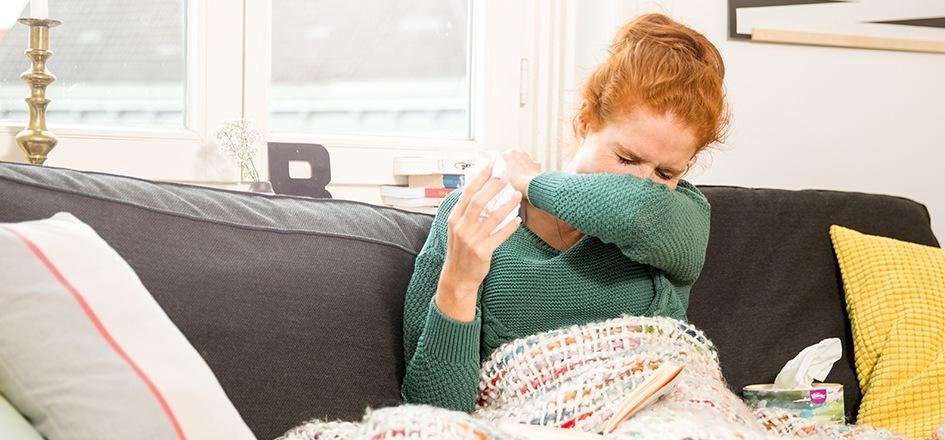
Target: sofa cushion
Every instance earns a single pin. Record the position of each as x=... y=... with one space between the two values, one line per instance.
x=895 y=294
x=295 y=304
x=86 y=352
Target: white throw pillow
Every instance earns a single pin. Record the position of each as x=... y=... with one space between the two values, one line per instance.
x=87 y=353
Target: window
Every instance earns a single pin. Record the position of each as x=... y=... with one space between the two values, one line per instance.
x=142 y=85
x=371 y=67
x=118 y=63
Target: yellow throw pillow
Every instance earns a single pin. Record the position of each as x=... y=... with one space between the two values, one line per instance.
x=895 y=293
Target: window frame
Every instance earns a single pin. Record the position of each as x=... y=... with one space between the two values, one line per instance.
x=504 y=34
x=499 y=129
x=179 y=154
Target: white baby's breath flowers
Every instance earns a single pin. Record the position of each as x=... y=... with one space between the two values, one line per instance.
x=238 y=141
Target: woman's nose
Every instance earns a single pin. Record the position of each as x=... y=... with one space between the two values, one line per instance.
x=644 y=172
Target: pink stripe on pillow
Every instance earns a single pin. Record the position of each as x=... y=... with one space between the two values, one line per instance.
x=98 y=325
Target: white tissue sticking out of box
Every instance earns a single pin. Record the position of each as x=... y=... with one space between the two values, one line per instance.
x=811 y=363
x=483 y=158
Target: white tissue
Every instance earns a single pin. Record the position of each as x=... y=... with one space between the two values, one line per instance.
x=811 y=363
x=483 y=158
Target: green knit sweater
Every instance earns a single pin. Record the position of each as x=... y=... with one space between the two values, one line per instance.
x=643 y=248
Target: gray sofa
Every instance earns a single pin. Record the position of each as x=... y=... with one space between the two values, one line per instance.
x=296 y=303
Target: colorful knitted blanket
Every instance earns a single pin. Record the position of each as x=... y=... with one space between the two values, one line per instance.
x=577 y=377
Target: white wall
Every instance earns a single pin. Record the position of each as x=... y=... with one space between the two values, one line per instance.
x=808 y=117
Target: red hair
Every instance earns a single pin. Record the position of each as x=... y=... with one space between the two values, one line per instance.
x=658 y=65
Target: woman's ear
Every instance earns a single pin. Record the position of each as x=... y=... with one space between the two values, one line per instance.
x=689 y=165
x=582 y=127
x=582 y=121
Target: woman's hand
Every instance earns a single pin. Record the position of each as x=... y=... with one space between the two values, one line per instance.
x=469 y=246
x=520 y=169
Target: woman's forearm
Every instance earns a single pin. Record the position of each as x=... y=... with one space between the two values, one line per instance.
x=441 y=341
x=649 y=222
x=442 y=326
x=456 y=293
x=456 y=299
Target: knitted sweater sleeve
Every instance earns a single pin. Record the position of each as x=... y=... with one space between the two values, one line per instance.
x=649 y=222
x=442 y=354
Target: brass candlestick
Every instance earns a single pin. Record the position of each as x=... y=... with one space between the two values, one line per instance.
x=35 y=140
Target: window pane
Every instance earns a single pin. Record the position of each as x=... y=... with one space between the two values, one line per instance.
x=117 y=63
x=371 y=67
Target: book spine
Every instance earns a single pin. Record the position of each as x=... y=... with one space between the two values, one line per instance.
x=411 y=202
x=435 y=181
x=418 y=165
x=432 y=201
x=453 y=180
x=401 y=191
x=437 y=192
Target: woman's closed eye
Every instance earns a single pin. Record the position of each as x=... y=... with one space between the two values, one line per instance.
x=626 y=161
x=662 y=174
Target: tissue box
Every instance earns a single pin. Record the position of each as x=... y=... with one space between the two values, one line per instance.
x=821 y=402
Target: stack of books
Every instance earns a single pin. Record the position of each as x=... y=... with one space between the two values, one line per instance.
x=413 y=196
x=429 y=181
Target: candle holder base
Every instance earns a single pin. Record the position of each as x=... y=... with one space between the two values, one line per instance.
x=36 y=144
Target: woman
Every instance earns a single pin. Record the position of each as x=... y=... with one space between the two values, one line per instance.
x=619 y=232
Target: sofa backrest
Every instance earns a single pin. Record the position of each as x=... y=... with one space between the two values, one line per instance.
x=771 y=285
x=296 y=304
